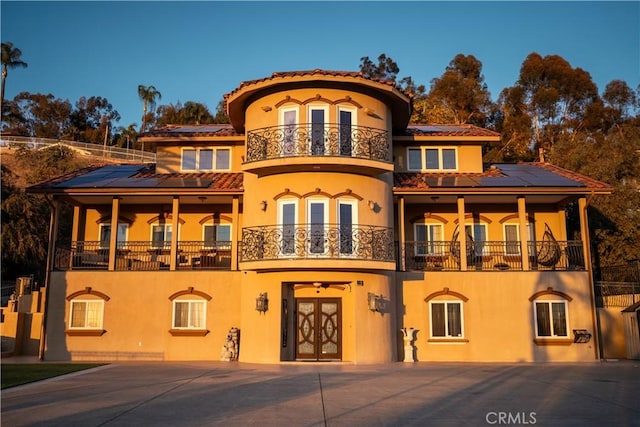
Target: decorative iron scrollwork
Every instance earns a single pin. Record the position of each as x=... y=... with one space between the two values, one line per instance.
x=329 y=139
x=327 y=241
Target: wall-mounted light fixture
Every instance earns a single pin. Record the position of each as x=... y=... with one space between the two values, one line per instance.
x=266 y=108
x=375 y=302
x=263 y=205
x=262 y=303
x=372 y=205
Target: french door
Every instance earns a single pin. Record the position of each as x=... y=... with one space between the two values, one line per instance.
x=319 y=329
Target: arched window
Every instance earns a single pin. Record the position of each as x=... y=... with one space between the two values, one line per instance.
x=86 y=312
x=189 y=312
x=446 y=315
x=551 y=315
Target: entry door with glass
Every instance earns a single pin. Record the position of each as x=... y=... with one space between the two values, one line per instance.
x=319 y=329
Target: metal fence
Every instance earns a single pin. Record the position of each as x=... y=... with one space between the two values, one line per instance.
x=616 y=294
x=97 y=150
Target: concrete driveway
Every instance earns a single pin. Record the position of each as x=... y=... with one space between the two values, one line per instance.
x=399 y=394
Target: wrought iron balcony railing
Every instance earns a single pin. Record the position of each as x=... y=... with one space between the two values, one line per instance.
x=307 y=139
x=493 y=256
x=313 y=241
x=144 y=255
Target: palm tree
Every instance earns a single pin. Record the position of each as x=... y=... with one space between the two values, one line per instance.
x=10 y=59
x=148 y=96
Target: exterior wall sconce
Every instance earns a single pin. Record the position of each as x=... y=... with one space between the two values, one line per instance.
x=266 y=108
x=372 y=205
x=581 y=336
x=262 y=303
x=263 y=205
x=375 y=302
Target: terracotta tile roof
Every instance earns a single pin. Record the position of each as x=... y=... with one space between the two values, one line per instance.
x=213 y=130
x=419 y=180
x=448 y=130
x=315 y=72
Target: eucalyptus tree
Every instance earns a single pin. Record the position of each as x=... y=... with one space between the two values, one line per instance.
x=11 y=58
x=460 y=95
x=148 y=95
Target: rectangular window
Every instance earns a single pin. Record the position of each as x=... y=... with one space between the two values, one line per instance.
x=216 y=235
x=206 y=159
x=288 y=217
x=345 y=124
x=479 y=234
x=161 y=236
x=189 y=314
x=428 y=239
x=86 y=314
x=289 y=122
x=551 y=318
x=346 y=218
x=446 y=319
x=318 y=119
x=432 y=159
x=512 y=241
x=317 y=215
x=105 y=235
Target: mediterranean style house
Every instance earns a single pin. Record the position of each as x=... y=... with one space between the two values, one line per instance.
x=323 y=227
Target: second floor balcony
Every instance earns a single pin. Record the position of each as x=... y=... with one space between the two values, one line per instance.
x=296 y=244
x=308 y=146
x=493 y=256
x=145 y=255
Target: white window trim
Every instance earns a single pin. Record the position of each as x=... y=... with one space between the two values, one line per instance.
x=294 y=138
x=354 y=224
x=325 y=202
x=280 y=204
x=217 y=225
x=447 y=336
x=165 y=224
x=214 y=166
x=71 y=309
x=119 y=243
x=325 y=108
x=354 y=123
x=439 y=249
x=566 y=316
x=423 y=166
x=190 y=301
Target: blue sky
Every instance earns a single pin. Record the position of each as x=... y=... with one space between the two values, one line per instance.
x=198 y=51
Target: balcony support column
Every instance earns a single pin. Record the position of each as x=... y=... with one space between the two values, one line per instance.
x=524 y=236
x=586 y=248
x=235 y=215
x=175 y=217
x=113 y=238
x=463 y=234
x=79 y=216
x=54 y=224
x=401 y=248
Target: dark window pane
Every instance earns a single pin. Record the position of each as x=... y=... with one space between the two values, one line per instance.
x=188 y=159
x=345 y=133
x=206 y=159
x=559 y=319
x=346 y=228
x=415 y=159
x=544 y=321
x=431 y=158
x=448 y=158
x=437 y=320
x=454 y=322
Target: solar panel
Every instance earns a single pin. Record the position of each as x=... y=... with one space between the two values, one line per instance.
x=101 y=177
